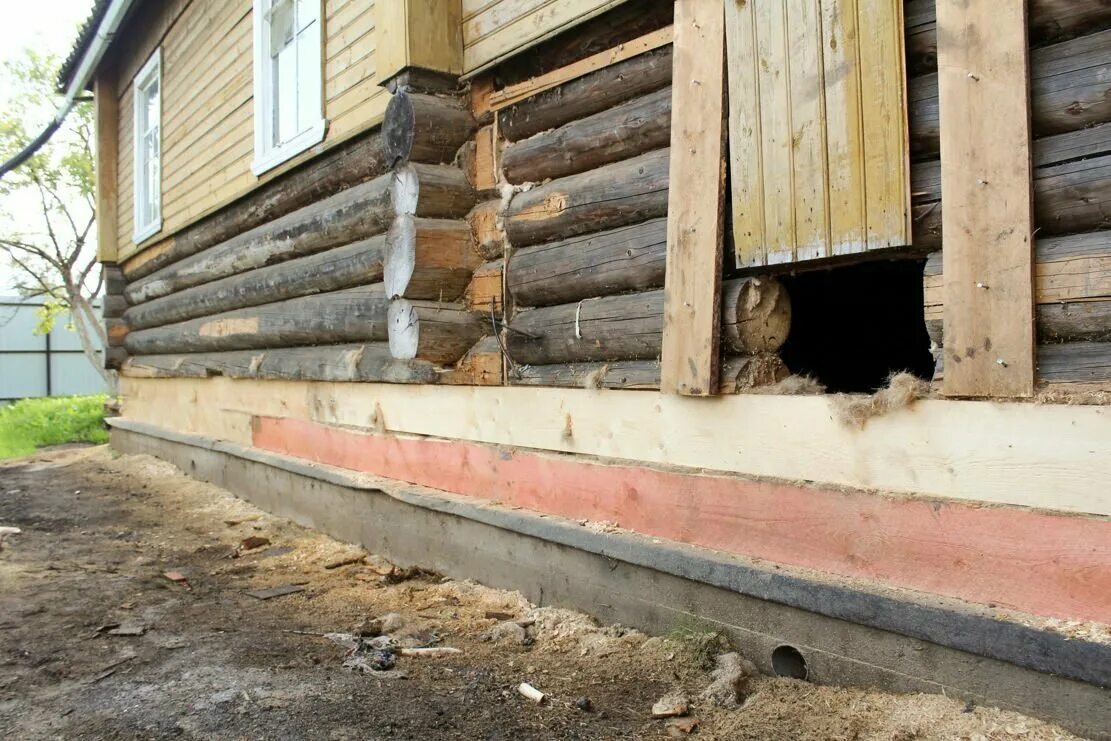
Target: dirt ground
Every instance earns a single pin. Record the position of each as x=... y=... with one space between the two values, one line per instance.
x=125 y=613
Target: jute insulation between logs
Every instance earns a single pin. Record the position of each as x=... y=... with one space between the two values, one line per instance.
x=756 y=318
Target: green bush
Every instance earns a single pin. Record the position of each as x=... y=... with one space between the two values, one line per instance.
x=30 y=424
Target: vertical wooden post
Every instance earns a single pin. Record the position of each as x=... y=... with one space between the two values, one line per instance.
x=419 y=33
x=696 y=190
x=987 y=223
x=107 y=165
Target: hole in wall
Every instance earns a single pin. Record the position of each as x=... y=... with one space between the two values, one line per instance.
x=788 y=661
x=853 y=326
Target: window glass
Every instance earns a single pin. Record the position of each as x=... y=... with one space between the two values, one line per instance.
x=148 y=148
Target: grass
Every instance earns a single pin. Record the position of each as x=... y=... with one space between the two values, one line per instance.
x=30 y=424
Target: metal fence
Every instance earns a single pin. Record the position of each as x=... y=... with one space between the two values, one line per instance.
x=41 y=365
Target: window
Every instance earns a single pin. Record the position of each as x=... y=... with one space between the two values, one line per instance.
x=148 y=148
x=288 y=107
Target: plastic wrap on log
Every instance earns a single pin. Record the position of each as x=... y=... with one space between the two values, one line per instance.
x=352 y=315
x=426 y=128
x=363 y=362
x=343 y=167
x=587 y=95
x=616 y=195
x=630 y=326
x=352 y=265
x=433 y=191
x=632 y=128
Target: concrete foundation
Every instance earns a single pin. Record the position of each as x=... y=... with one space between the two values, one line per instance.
x=847 y=636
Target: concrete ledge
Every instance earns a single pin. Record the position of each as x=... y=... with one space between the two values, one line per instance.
x=848 y=635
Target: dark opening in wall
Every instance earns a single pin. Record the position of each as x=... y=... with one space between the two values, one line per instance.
x=853 y=326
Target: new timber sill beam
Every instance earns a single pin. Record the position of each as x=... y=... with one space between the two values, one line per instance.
x=692 y=284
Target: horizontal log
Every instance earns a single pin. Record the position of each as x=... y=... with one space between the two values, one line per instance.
x=1072 y=289
x=1050 y=21
x=114 y=282
x=434 y=331
x=629 y=258
x=420 y=127
x=429 y=258
x=624 y=131
x=587 y=95
x=738 y=373
x=484 y=293
x=616 y=195
x=364 y=362
x=114 y=357
x=755 y=319
x=1071 y=197
x=1075 y=362
x=432 y=191
x=1070 y=89
x=352 y=265
x=352 y=315
x=116 y=331
x=113 y=305
x=339 y=168
x=755 y=315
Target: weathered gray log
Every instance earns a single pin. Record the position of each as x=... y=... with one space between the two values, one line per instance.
x=627 y=130
x=755 y=319
x=1074 y=362
x=738 y=372
x=114 y=282
x=434 y=331
x=342 y=167
x=1070 y=89
x=113 y=305
x=587 y=95
x=616 y=195
x=629 y=258
x=1072 y=289
x=363 y=362
x=419 y=127
x=429 y=258
x=1050 y=21
x=351 y=315
x=354 y=214
x=755 y=315
x=357 y=264
x=1071 y=197
x=1059 y=148
x=114 y=357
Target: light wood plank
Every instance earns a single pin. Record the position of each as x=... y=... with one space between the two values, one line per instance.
x=746 y=168
x=1035 y=455
x=987 y=188
x=695 y=202
x=775 y=125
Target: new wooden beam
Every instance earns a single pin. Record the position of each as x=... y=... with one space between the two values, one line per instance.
x=107 y=166
x=695 y=201
x=987 y=187
x=427 y=34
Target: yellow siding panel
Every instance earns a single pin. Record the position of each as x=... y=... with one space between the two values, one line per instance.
x=492 y=30
x=818 y=128
x=208 y=102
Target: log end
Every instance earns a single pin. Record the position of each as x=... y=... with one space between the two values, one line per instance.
x=405 y=190
x=403 y=327
x=399 y=127
x=400 y=258
x=756 y=315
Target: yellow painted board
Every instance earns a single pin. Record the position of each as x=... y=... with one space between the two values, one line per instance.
x=773 y=81
x=806 y=84
x=745 y=137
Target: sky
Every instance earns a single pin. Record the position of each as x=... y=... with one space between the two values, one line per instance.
x=46 y=25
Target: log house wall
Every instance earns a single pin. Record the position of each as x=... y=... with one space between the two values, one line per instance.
x=1070 y=69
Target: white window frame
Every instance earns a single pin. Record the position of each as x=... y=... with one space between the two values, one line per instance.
x=267 y=154
x=151 y=71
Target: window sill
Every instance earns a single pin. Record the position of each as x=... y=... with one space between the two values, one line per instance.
x=147 y=232
x=271 y=159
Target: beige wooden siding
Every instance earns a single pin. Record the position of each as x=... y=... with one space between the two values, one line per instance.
x=819 y=158
x=208 y=105
x=493 y=29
